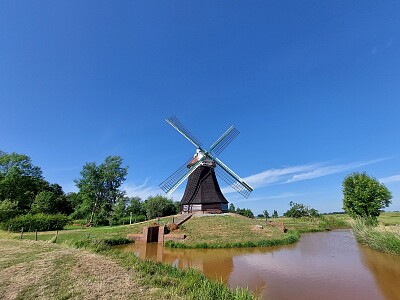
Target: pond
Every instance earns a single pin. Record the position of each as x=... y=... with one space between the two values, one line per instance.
x=324 y=265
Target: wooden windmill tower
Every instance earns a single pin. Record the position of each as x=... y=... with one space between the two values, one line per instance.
x=202 y=191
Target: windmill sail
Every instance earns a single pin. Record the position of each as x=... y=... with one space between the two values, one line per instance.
x=174 y=122
x=224 y=140
x=237 y=183
x=172 y=182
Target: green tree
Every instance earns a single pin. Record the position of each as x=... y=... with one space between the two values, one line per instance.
x=364 y=196
x=120 y=209
x=20 y=180
x=159 y=206
x=232 y=208
x=8 y=210
x=135 y=206
x=298 y=210
x=81 y=207
x=100 y=185
x=245 y=212
x=275 y=214
x=52 y=200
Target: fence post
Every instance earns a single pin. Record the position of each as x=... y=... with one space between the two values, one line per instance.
x=22 y=232
x=55 y=241
x=36 y=234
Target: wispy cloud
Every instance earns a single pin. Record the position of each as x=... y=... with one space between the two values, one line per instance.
x=332 y=169
x=390 y=179
x=300 y=172
x=278 y=175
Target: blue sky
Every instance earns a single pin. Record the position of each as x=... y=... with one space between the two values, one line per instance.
x=313 y=87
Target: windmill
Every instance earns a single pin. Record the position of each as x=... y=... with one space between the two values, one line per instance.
x=202 y=191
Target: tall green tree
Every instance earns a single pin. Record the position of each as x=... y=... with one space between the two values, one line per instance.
x=275 y=214
x=159 y=206
x=135 y=206
x=52 y=200
x=100 y=185
x=20 y=180
x=364 y=196
x=232 y=208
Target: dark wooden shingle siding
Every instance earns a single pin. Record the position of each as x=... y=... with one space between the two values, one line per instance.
x=203 y=188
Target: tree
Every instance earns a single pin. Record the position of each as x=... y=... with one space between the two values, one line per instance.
x=20 y=180
x=100 y=185
x=159 y=206
x=52 y=200
x=275 y=214
x=245 y=212
x=266 y=215
x=298 y=210
x=119 y=209
x=135 y=206
x=364 y=196
x=232 y=208
x=8 y=210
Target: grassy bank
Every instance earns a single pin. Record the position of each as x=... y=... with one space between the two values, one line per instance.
x=381 y=238
x=234 y=231
x=31 y=270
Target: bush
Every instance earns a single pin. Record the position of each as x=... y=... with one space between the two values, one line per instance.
x=40 y=222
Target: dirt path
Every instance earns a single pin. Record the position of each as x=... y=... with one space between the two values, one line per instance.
x=40 y=270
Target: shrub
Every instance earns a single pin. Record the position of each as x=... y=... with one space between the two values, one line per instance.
x=40 y=222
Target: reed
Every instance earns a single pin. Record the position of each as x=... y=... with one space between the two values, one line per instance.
x=384 y=239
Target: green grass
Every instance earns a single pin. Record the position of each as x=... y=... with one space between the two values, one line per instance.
x=384 y=239
x=233 y=231
x=226 y=229
x=325 y=222
x=167 y=281
x=76 y=233
x=389 y=218
x=51 y=271
x=190 y=284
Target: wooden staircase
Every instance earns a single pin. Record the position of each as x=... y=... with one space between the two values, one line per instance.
x=180 y=219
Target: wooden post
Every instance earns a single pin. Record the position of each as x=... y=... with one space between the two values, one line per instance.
x=55 y=241
x=130 y=219
x=22 y=232
x=36 y=234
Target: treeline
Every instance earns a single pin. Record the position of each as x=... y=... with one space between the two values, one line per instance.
x=100 y=200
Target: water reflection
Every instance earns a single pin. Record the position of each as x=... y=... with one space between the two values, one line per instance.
x=326 y=265
x=386 y=270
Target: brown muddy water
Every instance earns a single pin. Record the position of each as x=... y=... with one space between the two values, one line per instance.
x=324 y=265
